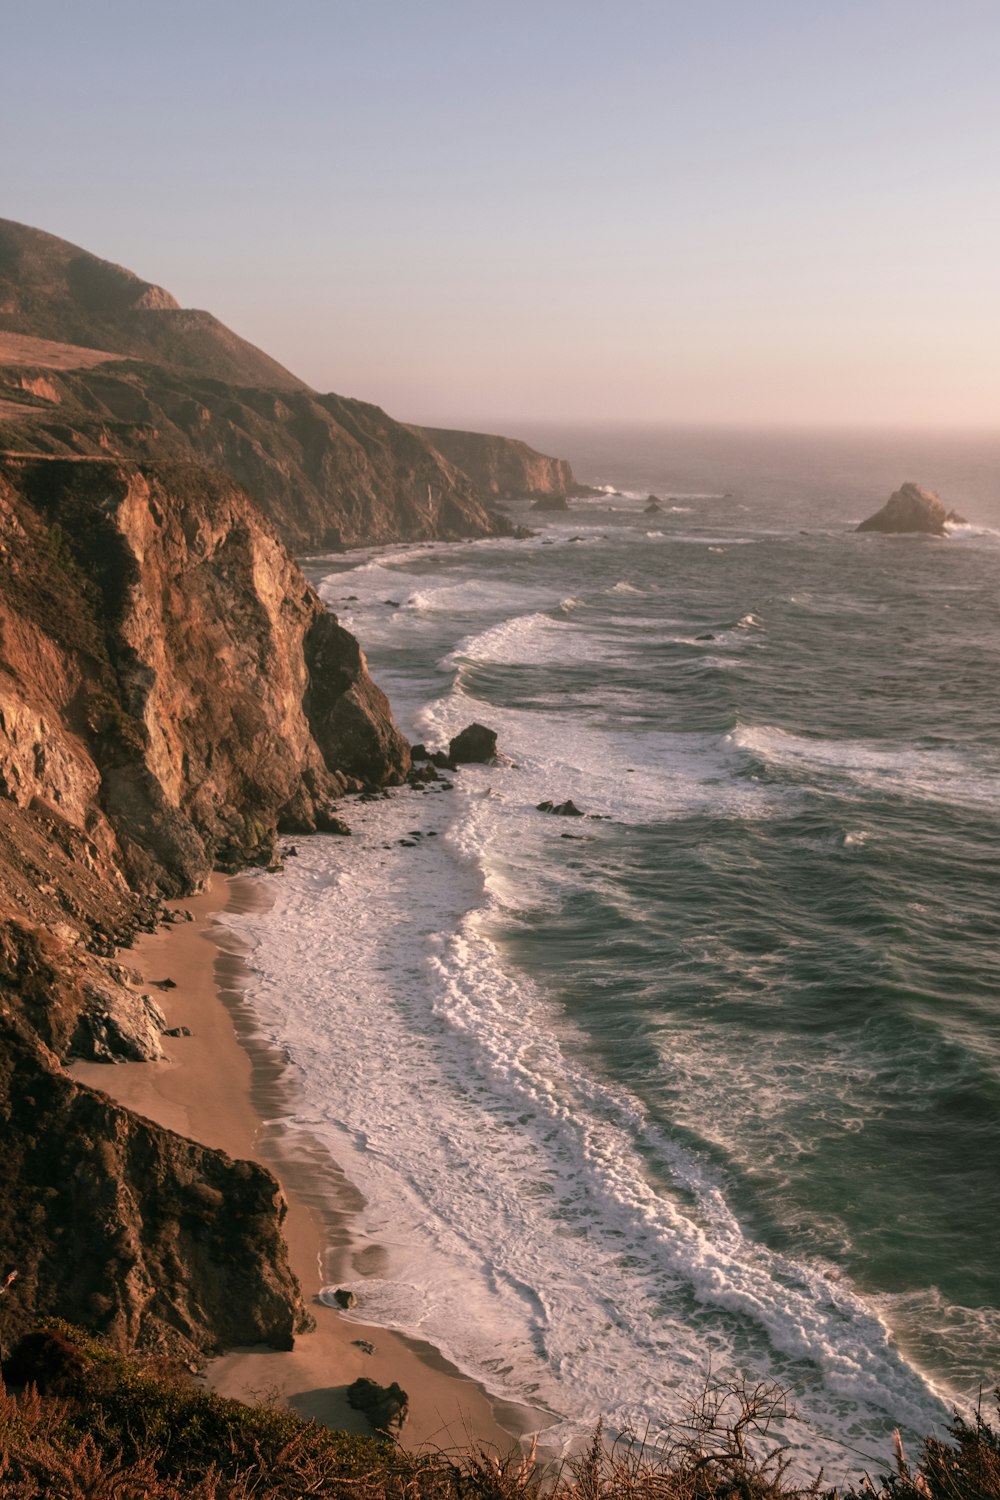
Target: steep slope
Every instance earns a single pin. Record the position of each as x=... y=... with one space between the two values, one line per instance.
x=169 y=382
x=504 y=467
x=172 y=694
x=54 y=290
x=328 y=471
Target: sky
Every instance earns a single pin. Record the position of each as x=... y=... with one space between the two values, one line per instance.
x=725 y=211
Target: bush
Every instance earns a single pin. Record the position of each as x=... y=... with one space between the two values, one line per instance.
x=115 y=1428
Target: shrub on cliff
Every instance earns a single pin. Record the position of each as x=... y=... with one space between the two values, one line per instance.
x=110 y=1428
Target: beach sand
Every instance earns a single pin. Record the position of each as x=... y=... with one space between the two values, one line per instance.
x=221 y=1086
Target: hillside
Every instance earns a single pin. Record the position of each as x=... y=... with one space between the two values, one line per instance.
x=504 y=467
x=329 y=472
x=51 y=289
x=96 y=361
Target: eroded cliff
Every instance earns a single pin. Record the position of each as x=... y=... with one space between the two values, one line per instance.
x=504 y=467
x=329 y=472
x=172 y=693
x=95 y=360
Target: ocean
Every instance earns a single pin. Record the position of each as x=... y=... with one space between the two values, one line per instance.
x=705 y=1083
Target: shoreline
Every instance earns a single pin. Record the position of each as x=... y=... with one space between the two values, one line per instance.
x=226 y=1088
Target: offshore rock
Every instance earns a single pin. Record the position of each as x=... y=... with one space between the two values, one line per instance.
x=567 y=809
x=474 y=745
x=912 y=509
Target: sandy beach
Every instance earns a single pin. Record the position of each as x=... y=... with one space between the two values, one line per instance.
x=221 y=1086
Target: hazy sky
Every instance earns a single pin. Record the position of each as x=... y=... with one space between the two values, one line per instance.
x=730 y=210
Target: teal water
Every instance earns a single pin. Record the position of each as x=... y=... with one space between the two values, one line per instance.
x=770 y=961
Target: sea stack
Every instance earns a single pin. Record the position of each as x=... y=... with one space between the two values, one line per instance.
x=912 y=509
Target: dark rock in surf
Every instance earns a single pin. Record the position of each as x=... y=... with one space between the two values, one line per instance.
x=475 y=745
x=912 y=509
x=653 y=506
x=567 y=809
x=551 y=502
x=328 y=822
x=344 y=1298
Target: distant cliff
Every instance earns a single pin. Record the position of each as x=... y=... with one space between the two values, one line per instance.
x=329 y=472
x=504 y=467
x=172 y=694
x=96 y=361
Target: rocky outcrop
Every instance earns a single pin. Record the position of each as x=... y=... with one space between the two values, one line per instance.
x=474 y=745
x=504 y=467
x=912 y=509
x=112 y=1222
x=385 y=1406
x=171 y=693
x=196 y=693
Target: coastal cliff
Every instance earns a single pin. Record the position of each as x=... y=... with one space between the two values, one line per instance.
x=329 y=472
x=504 y=467
x=172 y=694
x=96 y=361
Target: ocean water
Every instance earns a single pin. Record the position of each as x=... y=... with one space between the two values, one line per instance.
x=707 y=1082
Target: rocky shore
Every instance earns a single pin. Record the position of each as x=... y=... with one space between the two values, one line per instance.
x=175 y=701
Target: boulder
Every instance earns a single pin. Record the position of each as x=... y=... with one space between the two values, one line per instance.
x=567 y=809
x=912 y=509
x=385 y=1406
x=344 y=1298
x=551 y=502
x=473 y=746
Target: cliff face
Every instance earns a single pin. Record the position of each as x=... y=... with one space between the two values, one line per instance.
x=171 y=694
x=123 y=1227
x=171 y=725
x=329 y=472
x=142 y=378
x=504 y=467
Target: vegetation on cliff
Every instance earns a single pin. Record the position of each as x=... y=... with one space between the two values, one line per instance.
x=79 y=1420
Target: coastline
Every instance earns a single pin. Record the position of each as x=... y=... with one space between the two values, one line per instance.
x=226 y=1088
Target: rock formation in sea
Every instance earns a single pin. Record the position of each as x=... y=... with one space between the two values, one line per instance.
x=474 y=745
x=912 y=509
